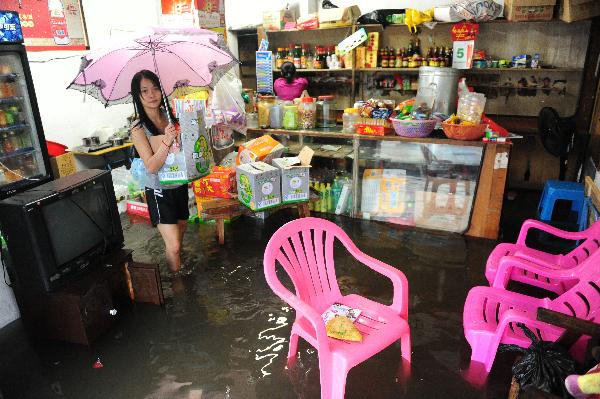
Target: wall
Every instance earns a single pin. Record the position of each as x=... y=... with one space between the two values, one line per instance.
x=66 y=115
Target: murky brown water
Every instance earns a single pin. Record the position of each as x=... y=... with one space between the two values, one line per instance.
x=223 y=334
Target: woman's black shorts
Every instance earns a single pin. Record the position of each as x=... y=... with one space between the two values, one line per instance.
x=168 y=206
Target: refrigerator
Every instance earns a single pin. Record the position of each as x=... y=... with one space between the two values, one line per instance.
x=24 y=161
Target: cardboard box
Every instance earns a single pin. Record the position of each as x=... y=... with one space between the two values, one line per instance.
x=63 y=165
x=529 y=10
x=384 y=193
x=264 y=148
x=219 y=183
x=192 y=159
x=294 y=179
x=361 y=55
x=276 y=20
x=338 y=16
x=259 y=185
x=575 y=10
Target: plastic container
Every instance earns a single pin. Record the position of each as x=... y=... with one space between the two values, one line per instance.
x=290 y=117
x=55 y=149
x=464 y=132
x=264 y=106
x=252 y=120
x=307 y=113
x=325 y=112
x=413 y=127
x=276 y=116
x=350 y=118
x=470 y=107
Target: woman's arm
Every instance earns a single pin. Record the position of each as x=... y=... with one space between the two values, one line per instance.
x=153 y=160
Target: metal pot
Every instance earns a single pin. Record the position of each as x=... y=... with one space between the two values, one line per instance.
x=87 y=141
x=445 y=83
x=116 y=141
x=95 y=140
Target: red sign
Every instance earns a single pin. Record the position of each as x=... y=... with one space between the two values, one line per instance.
x=464 y=31
x=51 y=24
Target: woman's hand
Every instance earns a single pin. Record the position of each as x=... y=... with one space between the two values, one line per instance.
x=171 y=133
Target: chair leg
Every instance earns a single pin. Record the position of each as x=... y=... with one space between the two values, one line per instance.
x=293 y=349
x=333 y=379
x=405 y=347
x=484 y=351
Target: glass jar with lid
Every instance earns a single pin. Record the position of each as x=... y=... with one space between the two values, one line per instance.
x=350 y=118
x=307 y=113
x=264 y=106
x=325 y=112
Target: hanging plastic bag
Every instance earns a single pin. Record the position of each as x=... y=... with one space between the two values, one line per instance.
x=379 y=16
x=138 y=173
x=415 y=17
x=226 y=103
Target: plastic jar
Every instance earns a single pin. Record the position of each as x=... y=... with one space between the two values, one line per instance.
x=264 y=106
x=325 y=112
x=276 y=116
x=252 y=120
x=307 y=113
x=350 y=118
x=290 y=117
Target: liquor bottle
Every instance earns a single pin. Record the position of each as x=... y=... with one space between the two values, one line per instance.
x=410 y=50
x=418 y=47
x=58 y=22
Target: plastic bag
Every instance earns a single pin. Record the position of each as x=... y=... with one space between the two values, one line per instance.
x=226 y=104
x=415 y=17
x=328 y=4
x=478 y=10
x=138 y=173
x=379 y=16
x=544 y=365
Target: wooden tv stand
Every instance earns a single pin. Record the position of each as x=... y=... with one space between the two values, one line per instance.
x=84 y=309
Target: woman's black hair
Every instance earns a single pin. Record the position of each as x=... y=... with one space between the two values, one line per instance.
x=136 y=93
x=288 y=71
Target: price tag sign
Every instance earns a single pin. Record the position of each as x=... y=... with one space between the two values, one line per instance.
x=462 y=54
x=264 y=72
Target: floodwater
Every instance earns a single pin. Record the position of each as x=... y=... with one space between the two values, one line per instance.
x=222 y=333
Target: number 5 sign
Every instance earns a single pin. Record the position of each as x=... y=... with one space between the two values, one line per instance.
x=463 y=37
x=462 y=57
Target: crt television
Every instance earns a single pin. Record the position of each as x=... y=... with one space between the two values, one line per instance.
x=57 y=231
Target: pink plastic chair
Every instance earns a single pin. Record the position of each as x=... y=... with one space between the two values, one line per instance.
x=574 y=258
x=304 y=248
x=490 y=315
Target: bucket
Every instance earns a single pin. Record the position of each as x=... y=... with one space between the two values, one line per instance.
x=445 y=81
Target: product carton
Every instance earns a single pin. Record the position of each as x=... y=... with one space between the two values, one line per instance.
x=259 y=185
x=575 y=10
x=338 y=16
x=384 y=192
x=276 y=20
x=63 y=165
x=191 y=159
x=294 y=179
x=529 y=10
x=264 y=148
x=219 y=183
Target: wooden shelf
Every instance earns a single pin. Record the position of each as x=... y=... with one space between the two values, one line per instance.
x=318 y=70
x=481 y=70
x=311 y=30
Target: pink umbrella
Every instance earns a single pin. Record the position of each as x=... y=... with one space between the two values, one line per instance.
x=180 y=57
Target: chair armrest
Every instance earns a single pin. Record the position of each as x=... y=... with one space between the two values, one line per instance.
x=304 y=309
x=536 y=224
x=399 y=281
x=508 y=263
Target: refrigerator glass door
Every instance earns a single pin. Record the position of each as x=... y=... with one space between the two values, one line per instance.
x=20 y=153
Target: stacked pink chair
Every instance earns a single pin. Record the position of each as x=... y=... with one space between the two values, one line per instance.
x=304 y=248
x=491 y=313
x=589 y=244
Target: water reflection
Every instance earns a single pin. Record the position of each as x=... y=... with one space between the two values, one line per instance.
x=275 y=343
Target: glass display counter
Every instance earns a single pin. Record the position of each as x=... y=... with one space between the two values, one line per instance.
x=434 y=182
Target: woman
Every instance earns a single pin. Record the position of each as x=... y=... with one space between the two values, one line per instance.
x=154 y=137
x=289 y=87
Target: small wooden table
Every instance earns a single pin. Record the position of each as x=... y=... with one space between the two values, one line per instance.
x=230 y=208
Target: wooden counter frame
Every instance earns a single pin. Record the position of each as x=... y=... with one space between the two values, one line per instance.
x=487 y=204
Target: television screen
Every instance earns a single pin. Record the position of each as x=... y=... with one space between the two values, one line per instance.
x=78 y=223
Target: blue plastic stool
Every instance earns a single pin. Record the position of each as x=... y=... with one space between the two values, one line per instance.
x=555 y=190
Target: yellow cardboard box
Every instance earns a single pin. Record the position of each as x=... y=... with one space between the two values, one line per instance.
x=575 y=10
x=338 y=16
x=63 y=165
x=529 y=10
x=276 y=20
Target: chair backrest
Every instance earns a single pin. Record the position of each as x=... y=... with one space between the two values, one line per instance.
x=583 y=299
x=587 y=248
x=304 y=248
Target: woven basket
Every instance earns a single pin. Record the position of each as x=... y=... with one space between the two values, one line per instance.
x=413 y=127
x=464 y=132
